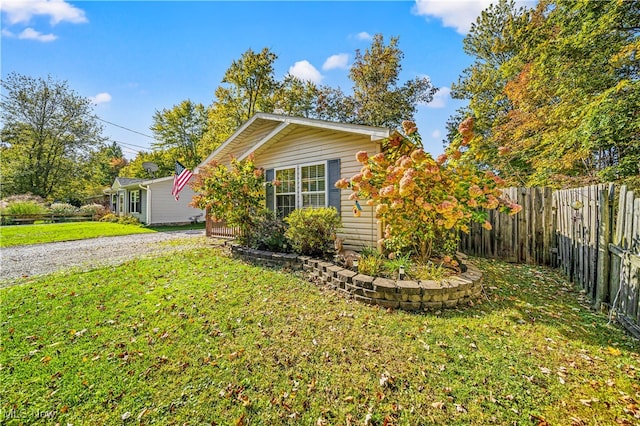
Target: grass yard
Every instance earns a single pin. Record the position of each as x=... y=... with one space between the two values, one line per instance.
x=18 y=235
x=197 y=338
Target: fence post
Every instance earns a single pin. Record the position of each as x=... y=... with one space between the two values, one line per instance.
x=602 y=272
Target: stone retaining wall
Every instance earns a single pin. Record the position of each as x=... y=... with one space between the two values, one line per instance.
x=401 y=294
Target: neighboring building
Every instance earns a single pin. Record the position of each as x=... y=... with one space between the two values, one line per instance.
x=150 y=201
x=308 y=156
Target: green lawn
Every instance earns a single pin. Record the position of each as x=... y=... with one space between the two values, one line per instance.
x=197 y=338
x=16 y=235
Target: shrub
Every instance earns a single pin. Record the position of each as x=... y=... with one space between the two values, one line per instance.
x=128 y=220
x=97 y=211
x=24 y=208
x=63 y=209
x=267 y=233
x=312 y=231
x=109 y=217
x=425 y=202
x=235 y=194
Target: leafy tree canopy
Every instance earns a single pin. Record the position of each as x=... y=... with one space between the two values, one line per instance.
x=554 y=91
x=48 y=134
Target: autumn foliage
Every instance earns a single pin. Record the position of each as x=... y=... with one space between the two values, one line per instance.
x=235 y=194
x=422 y=202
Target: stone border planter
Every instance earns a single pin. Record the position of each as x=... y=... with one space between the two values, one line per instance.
x=401 y=294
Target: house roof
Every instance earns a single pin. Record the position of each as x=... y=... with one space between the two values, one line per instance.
x=124 y=182
x=277 y=126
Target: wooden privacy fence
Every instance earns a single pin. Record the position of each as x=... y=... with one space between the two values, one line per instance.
x=592 y=233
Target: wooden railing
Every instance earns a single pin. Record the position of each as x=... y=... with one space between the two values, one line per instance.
x=28 y=219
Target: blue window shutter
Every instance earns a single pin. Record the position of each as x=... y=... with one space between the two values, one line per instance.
x=333 y=175
x=269 y=176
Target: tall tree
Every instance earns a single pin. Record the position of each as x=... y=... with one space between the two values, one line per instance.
x=493 y=41
x=48 y=133
x=163 y=158
x=559 y=105
x=295 y=97
x=248 y=87
x=182 y=129
x=378 y=98
x=575 y=98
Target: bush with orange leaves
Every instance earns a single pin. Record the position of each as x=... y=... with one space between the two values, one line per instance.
x=423 y=202
x=235 y=194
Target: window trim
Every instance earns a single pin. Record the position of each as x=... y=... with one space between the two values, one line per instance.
x=135 y=201
x=298 y=183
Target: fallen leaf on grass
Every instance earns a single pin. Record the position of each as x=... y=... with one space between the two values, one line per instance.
x=460 y=408
x=614 y=351
x=142 y=413
x=539 y=420
x=588 y=402
x=438 y=405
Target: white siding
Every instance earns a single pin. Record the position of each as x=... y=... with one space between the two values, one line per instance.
x=244 y=142
x=165 y=209
x=308 y=145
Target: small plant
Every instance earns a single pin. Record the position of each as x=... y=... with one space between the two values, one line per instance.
x=109 y=217
x=427 y=271
x=63 y=209
x=393 y=265
x=371 y=264
x=312 y=231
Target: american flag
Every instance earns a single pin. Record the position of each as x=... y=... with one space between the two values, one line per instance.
x=180 y=179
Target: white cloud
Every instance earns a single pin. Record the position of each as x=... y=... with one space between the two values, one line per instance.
x=21 y=11
x=436 y=134
x=457 y=14
x=336 y=61
x=440 y=99
x=100 y=98
x=364 y=36
x=305 y=71
x=31 y=34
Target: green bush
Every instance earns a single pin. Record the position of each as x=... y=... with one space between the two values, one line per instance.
x=24 y=208
x=267 y=233
x=63 y=209
x=312 y=231
x=124 y=220
x=109 y=217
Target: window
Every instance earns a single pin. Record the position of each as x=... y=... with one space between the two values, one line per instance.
x=285 y=192
x=300 y=187
x=134 y=201
x=313 y=179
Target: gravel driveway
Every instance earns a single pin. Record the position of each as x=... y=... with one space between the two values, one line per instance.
x=37 y=259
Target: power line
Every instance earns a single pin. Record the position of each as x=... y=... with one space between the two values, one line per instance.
x=125 y=128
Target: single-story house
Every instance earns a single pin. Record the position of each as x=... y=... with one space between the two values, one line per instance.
x=308 y=156
x=151 y=202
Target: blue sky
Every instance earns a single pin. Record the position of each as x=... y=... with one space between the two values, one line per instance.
x=133 y=58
